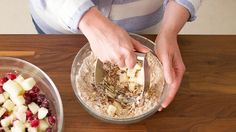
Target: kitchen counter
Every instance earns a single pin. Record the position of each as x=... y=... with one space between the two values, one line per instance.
x=206 y=100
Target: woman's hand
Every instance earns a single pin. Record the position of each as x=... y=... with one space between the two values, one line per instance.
x=167 y=49
x=168 y=52
x=108 y=41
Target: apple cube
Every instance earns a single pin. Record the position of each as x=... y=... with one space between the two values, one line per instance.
x=28 y=84
x=140 y=77
x=118 y=106
x=43 y=125
x=131 y=72
x=22 y=108
x=42 y=112
x=21 y=116
x=20 y=112
x=19 y=79
x=6 y=122
x=111 y=110
x=6 y=129
x=18 y=100
x=133 y=79
x=32 y=129
x=33 y=107
x=27 y=124
x=6 y=95
x=9 y=105
x=2 y=111
x=13 y=88
x=18 y=126
x=123 y=77
x=2 y=99
x=131 y=87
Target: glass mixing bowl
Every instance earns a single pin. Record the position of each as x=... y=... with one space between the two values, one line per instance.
x=82 y=54
x=9 y=64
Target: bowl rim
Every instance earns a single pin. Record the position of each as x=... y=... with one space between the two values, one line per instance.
x=60 y=125
x=129 y=120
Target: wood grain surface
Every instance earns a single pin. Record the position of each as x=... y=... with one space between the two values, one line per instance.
x=206 y=101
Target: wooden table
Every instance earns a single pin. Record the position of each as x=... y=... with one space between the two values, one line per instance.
x=206 y=100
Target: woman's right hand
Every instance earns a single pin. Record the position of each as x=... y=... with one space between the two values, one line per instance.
x=109 y=42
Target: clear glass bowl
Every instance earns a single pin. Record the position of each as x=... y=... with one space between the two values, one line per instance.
x=9 y=64
x=82 y=54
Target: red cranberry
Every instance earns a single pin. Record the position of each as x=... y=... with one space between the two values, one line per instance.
x=34 y=123
x=52 y=120
x=27 y=97
x=32 y=94
x=3 y=80
x=11 y=76
x=28 y=114
x=6 y=114
x=40 y=98
x=35 y=89
x=31 y=118
x=1 y=90
x=45 y=104
x=49 y=129
x=49 y=113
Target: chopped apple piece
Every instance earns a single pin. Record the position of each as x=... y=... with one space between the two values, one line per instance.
x=21 y=116
x=123 y=77
x=42 y=112
x=6 y=122
x=20 y=112
x=27 y=124
x=43 y=125
x=32 y=129
x=6 y=95
x=18 y=126
x=33 y=107
x=138 y=67
x=131 y=86
x=19 y=79
x=18 y=100
x=111 y=110
x=13 y=88
x=2 y=111
x=2 y=99
x=28 y=84
x=118 y=106
x=22 y=108
x=6 y=129
x=133 y=79
x=9 y=105
x=131 y=72
x=140 y=77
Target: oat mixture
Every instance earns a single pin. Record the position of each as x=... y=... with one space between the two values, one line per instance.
x=128 y=82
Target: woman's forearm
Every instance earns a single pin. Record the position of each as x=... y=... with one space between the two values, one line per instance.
x=175 y=17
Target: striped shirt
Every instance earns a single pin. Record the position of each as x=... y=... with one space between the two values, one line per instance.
x=63 y=16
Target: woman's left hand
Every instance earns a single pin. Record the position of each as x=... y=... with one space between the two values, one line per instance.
x=169 y=54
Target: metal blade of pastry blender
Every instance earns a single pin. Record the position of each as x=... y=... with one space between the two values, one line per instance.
x=100 y=73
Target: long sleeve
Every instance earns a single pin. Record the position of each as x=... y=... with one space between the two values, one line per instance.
x=59 y=16
x=191 y=5
x=69 y=11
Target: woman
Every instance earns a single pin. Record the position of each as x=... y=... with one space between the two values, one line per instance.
x=105 y=23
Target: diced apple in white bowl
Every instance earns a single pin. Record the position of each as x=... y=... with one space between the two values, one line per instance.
x=23 y=107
